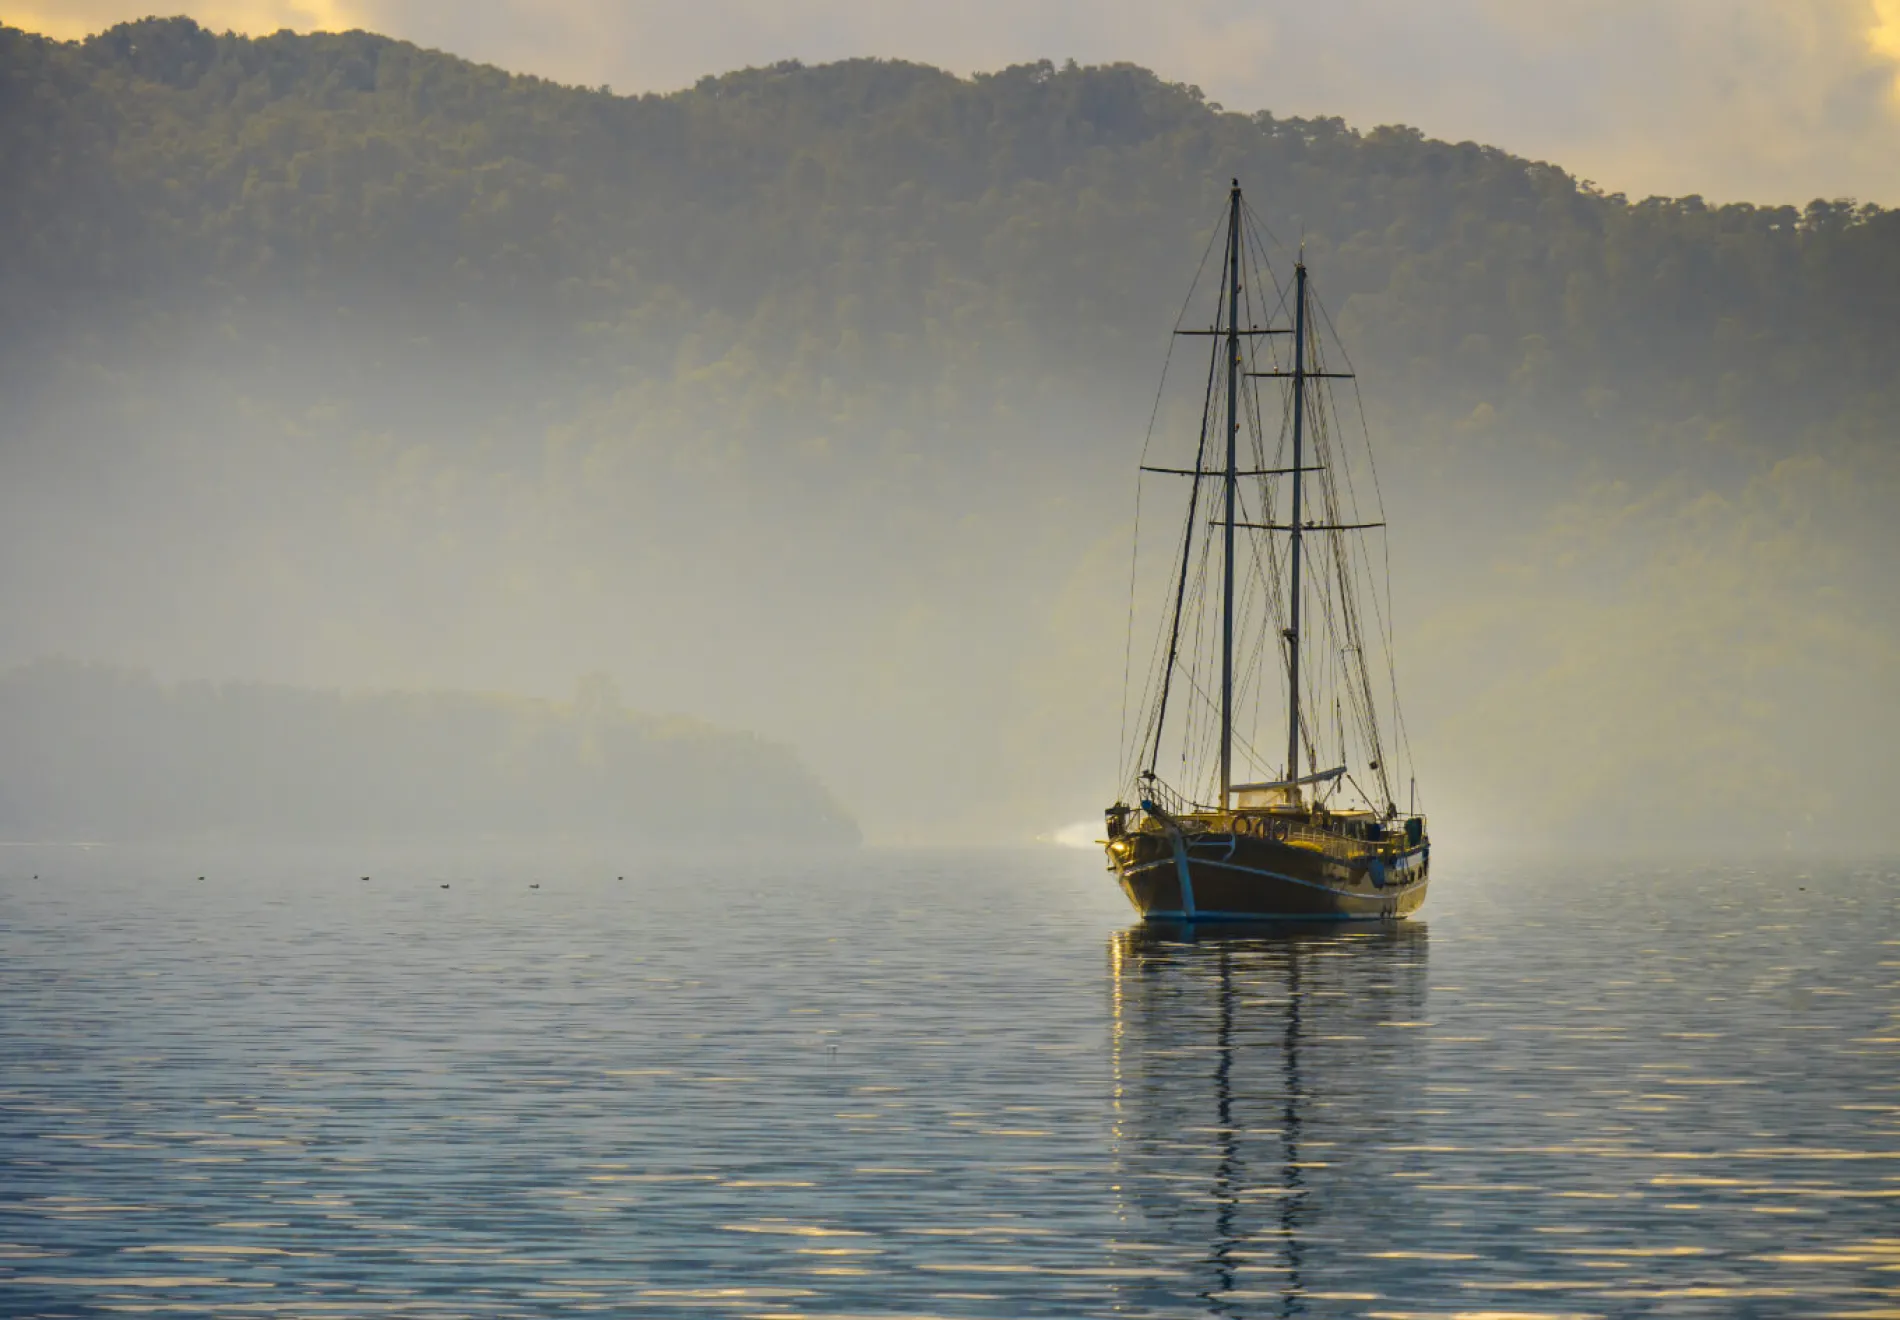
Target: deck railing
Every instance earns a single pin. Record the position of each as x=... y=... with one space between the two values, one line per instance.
x=1153 y=790
x=1195 y=819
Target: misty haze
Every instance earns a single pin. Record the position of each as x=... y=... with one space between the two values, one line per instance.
x=554 y=640
x=806 y=403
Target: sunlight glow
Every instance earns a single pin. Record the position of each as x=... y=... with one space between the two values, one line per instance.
x=1082 y=834
x=70 y=20
x=1884 y=39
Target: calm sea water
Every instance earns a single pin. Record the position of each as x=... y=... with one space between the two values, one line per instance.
x=946 y=1085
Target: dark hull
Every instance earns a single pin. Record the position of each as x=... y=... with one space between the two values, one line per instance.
x=1224 y=877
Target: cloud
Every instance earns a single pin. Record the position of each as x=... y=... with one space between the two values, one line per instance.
x=1766 y=100
x=1737 y=99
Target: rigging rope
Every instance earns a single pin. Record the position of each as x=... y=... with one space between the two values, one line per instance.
x=1134 y=552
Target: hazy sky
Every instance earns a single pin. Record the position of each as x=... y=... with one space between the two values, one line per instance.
x=1763 y=100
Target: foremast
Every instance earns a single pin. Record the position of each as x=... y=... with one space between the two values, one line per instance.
x=1294 y=525
x=1232 y=483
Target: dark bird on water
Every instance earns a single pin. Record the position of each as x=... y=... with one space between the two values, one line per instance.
x=445 y=885
x=534 y=886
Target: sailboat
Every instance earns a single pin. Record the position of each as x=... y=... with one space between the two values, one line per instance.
x=1283 y=572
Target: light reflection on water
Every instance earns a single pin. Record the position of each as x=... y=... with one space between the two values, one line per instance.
x=1247 y=1064
x=912 y=1085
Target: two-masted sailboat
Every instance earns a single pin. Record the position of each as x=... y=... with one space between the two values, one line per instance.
x=1319 y=834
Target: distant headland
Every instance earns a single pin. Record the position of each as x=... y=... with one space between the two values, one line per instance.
x=99 y=753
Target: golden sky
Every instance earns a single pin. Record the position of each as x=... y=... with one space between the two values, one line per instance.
x=1763 y=100
x=1883 y=38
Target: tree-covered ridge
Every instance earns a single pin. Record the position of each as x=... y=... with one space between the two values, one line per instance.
x=859 y=203
x=808 y=398
x=97 y=753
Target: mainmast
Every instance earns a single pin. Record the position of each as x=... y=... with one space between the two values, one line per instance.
x=1232 y=482
x=1293 y=524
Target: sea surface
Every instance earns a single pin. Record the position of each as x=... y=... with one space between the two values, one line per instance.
x=908 y=1084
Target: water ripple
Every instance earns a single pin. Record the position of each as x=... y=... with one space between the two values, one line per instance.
x=934 y=1085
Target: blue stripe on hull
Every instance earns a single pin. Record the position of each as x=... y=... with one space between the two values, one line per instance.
x=1274 y=917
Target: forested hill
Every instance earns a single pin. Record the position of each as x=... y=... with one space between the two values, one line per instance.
x=90 y=753
x=808 y=398
x=859 y=213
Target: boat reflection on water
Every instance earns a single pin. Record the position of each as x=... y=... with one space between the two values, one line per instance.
x=1266 y=1079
